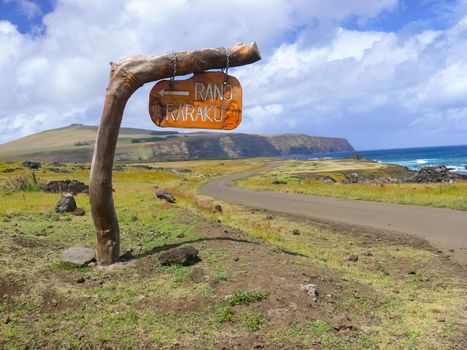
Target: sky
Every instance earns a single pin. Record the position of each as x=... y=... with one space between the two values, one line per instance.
x=381 y=73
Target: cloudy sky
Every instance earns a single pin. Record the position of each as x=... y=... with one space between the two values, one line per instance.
x=382 y=73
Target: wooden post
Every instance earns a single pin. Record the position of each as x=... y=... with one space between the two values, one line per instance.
x=125 y=78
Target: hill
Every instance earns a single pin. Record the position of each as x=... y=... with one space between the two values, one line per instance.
x=76 y=143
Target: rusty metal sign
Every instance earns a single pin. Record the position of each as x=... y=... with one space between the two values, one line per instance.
x=208 y=100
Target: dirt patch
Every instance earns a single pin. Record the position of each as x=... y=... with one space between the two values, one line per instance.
x=10 y=287
x=27 y=242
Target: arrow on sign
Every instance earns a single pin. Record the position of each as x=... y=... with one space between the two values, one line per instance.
x=164 y=92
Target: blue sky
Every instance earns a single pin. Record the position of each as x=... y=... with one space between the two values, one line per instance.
x=382 y=73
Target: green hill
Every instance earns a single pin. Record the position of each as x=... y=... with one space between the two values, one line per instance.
x=75 y=143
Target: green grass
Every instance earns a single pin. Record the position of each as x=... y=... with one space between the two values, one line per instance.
x=300 y=177
x=246 y=298
x=145 y=304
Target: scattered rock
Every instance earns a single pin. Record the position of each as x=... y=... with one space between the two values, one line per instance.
x=440 y=318
x=184 y=255
x=31 y=164
x=236 y=258
x=10 y=170
x=352 y=258
x=218 y=208
x=78 y=255
x=7 y=218
x=311 y=290
x=79 y=212
x=351 y=178
x=181 y=235
x=69 y=186
x=80 y=280
x=435 y=174
x=328 y=179
x=198 y=275
x=279 y=182
x=341 y=322
x=296 y=232
x=66 y=204
x=165 y=195
x=269 y=217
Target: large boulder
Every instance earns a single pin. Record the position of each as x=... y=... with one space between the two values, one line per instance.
x=78 y=256
x=165 y=195
x=66 y=204
x=184 y=255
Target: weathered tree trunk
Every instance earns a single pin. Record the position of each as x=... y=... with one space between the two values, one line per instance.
x=125 y=78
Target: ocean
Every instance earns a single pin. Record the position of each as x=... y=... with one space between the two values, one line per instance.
x=454 y=157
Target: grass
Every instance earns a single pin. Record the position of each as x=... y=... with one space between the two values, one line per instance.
x=301 y=177
x=148 y=305
x=245 y=297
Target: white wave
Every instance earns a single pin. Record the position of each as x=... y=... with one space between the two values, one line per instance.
x=421 y=161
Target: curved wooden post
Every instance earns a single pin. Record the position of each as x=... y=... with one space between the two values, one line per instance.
x=125 y=78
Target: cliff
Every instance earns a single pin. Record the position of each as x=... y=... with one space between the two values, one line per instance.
x=75 y=143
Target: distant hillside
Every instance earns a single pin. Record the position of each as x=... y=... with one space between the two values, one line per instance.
x=75 y=143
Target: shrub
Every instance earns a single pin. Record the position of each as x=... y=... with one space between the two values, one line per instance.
x=245 y=297
x=25 y=184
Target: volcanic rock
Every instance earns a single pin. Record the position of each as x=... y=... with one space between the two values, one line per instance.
x=66 y=204
x=184 y=255
x=166 y=195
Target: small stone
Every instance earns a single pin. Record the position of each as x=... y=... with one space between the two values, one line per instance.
x=181 y=235
x=412 y=273
x=218 y=208
x=328 y=296
x=80 y=280
x=184 y=255
x=341 y=322
x=78 y=255
x=236 y=258
x=269 y=217
x=165 y=195
x=451 y=250
x=79 y=212
x=310 y=289
x=440 y=319
x=92 y=264
x=296 y=232
x=369 y=253
x=353 y=258
x=66 y=203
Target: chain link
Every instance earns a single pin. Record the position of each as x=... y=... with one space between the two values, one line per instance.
x=227 y=64
x=174 y=65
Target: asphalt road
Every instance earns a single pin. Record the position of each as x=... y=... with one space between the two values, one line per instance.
x=445 y=229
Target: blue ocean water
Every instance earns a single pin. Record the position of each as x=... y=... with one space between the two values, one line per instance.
x=454 y=157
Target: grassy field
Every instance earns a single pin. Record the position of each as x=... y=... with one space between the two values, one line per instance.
x=304 y=177
x=246 y=290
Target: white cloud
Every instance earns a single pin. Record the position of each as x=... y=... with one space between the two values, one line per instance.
x=315 y=76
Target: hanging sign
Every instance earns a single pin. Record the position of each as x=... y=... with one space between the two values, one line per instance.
x=202 y=101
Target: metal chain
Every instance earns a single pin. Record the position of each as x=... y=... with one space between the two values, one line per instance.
x=227 y=64
x=174 y=65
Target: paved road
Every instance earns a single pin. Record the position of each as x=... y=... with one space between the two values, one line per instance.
x=446 y=229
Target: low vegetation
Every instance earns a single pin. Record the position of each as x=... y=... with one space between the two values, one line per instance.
x=305 y=177
x=246 y=289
